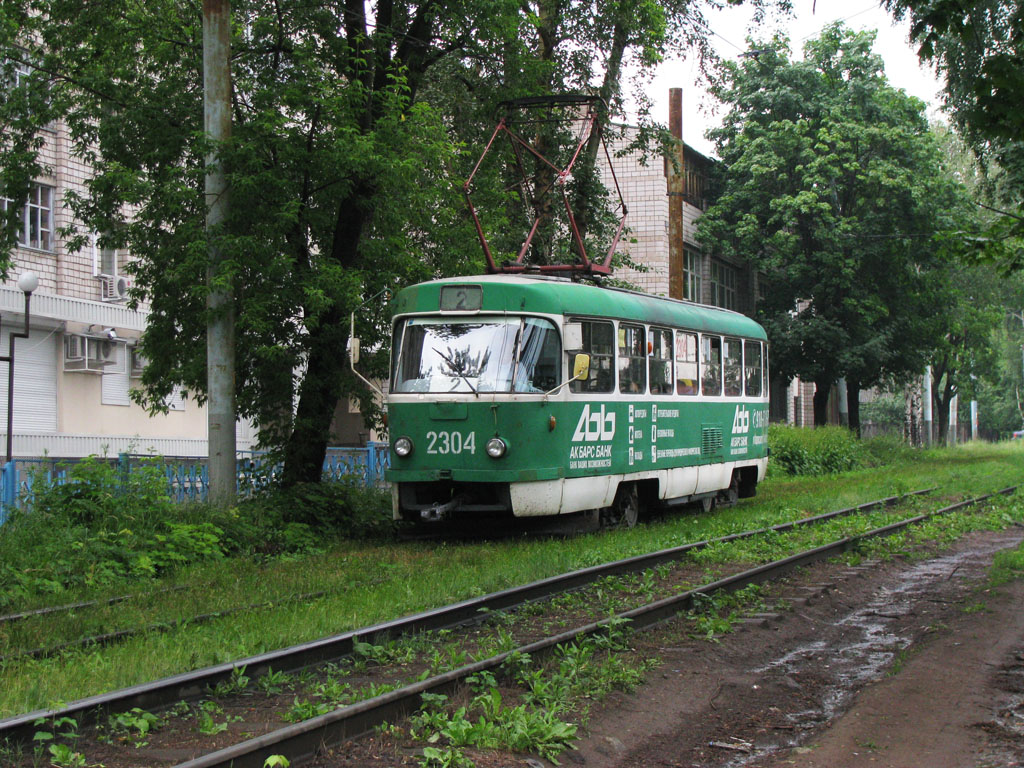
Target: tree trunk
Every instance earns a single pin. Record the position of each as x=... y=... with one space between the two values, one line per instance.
x=943 y=398
x=319 y=395
x=321 y=387
x=822 y=389
x=853 y=404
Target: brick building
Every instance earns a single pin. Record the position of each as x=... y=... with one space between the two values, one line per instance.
x=73 y=374
x=706 y=278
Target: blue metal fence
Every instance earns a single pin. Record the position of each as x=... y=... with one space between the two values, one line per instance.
x=188 y=478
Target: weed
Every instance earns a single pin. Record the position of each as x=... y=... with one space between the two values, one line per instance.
x=207 y=724
x=277 y=761
x=273 y=682
x=446 y=757
x=65 y=757
x=302 y=709
x=61 y=727
x=134 y=726
x=235 y=684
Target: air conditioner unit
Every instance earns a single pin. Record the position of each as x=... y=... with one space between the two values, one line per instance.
x=114 y=287
x=86 y=354
x=138 y=363
x=102 y=352
x=74 y=353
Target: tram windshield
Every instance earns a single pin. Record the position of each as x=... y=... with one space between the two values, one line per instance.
x=502 y=354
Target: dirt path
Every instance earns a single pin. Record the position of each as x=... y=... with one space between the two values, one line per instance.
x=899 y=665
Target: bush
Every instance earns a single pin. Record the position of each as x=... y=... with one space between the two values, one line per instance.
x=296 y=518
x=100 y=527
x=818 y=451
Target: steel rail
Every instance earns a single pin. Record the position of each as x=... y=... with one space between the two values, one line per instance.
x=21 y=616
x=193 y=684
x=304 y=740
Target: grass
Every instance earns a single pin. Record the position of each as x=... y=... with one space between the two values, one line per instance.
x=368 y=583
x=1007 y=566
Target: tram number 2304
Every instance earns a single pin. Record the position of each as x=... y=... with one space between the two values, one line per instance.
x=445 y=443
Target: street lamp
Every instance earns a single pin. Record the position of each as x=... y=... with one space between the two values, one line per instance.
x=28 y=282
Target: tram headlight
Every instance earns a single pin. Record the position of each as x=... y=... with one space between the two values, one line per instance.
x=496 y=448
x=403 y=446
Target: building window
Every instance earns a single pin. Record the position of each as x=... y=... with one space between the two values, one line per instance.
x=34 y=223
x=693 y=191
x=691 y=275
x=19 y=73
x=104 y=260
x=723 y=285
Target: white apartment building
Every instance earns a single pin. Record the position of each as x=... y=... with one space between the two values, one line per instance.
x=73 y=375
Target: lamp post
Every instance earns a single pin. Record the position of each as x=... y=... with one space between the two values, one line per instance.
x=28 y=282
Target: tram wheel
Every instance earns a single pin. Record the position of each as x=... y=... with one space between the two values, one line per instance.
x=625 y=510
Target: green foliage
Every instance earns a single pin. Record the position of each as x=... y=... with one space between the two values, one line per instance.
x=133 y=726
x=829 y=185
x=65 y=757
x=885 y=450
x=978 y=48
x=351 y=134
x=104 y=527
x=346 y=506
x=818 y=451
x=888 y=411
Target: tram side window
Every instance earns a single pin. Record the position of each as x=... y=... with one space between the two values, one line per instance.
x=753 y=368
x=632 y=359
x=599 y=343
x=686 y=364
x=660 y=362
x=733 y=367
x=711 y=365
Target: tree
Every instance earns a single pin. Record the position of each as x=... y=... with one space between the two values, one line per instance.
x=328 y=136
x=964 y=353
x=829 y=187
x=343 y=166
x=978 y=47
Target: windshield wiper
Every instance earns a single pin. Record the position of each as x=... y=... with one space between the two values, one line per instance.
x=457 y=370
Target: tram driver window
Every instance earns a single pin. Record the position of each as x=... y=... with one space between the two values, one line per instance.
x=733 y=367
x=686 y=364
x=753 y=368
x=537 y=367
x=660 y=362
x=711 y=365
x=598 y=342
x=632 y=359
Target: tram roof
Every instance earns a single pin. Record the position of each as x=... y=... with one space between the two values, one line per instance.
x=547 y=295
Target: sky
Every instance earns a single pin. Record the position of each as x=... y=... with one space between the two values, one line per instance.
x=730 y=28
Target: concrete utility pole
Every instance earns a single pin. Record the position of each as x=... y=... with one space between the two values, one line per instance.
x=220 y=327
x=676 y=189
x=927 y=403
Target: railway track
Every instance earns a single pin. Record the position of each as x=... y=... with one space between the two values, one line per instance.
x=191 y=685
x=306 y=737
x=303 y=740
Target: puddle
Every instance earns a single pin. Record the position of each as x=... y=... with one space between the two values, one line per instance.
x=868 y=641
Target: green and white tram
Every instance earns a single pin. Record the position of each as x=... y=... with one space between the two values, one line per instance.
x=526 y=396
